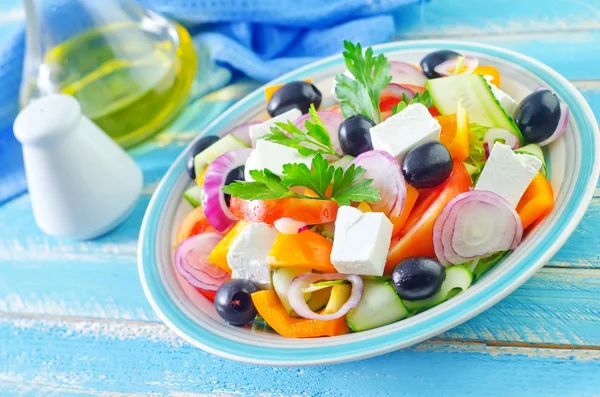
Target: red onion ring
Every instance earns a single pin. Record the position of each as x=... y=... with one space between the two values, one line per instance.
x=289 y=226
x=492 y=224
x=405 y=73
x=331 y=122
x=448 y=68
x=387 y=177
x=192 y=264
x=561 y=126
x=396 y=91
x=213 y=199
x=296 y=295
x=493 y=134
x=242 y=132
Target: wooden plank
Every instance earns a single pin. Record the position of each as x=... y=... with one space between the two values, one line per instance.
x=475 y=18
x=147 y=358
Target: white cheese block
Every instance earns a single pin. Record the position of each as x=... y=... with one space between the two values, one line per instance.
x=507 y=173
x=404 y=130
x=508 y=104
x=247 y=256
x=273 y=156
x=257 y=131
x=361 y=242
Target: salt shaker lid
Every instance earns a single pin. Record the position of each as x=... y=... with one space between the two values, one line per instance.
x=46 y=119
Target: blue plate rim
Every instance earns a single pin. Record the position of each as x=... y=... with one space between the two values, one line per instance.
x=566 y=222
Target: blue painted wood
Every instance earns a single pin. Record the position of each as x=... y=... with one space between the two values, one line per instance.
x=147 y=358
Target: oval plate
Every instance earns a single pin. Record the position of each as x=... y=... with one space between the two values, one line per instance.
x=573 y=161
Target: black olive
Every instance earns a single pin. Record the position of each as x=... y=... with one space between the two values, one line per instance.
x=427 y=165
x=418 y=278
x=355 y=135
x=236 y=174
x=196 y=148
x=433 y=59
x=233 y=301
x=537 y=116
x=295 y=95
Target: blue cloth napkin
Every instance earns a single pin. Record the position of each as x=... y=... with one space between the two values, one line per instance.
x=259 y=38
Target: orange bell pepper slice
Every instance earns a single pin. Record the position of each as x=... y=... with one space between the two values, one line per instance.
x=536 y=202
x=489 y=71
x=416 y=236
x=455 y=133
x=272 y=311
x=307 y=249
x=218 y=256
x=411 y=198
x=313 y=212
x=194 y=223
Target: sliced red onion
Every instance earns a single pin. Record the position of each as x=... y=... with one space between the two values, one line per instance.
x=448 y=68
x=290 y=226
x=242 y=132
x=213 y=199
x=475 y=224
x=561 y=127
x=387 y=177
x=331 y=121
x=405 y=73
x=499 y=134
x=296 y=295
x=192 y=263
x=396 y=91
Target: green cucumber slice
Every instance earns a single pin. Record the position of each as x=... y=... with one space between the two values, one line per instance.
x=220 y=147
x=458 y=279
x=319 y=299
x=535 y=151
x=343 y=162
x=193 y=196
x=379 y=306
x=282 y=278
x=319 y=285
x=475 y=95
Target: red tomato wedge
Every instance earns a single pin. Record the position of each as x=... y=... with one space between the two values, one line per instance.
x=313 y=212
x=416 y=236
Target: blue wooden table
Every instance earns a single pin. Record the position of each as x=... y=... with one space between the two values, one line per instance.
x=74 y=320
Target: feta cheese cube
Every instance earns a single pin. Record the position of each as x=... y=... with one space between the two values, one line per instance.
x=401 y=132
x=273 y=156
x=508 y=104
x=361 y=242
x=507 y=173
x=247 y=256
x=258 y=130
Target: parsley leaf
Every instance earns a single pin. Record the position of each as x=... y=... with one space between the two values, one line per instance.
x=424 y=99
x=267 y=185
x=314 y=140
x=371 y=75
x=348 y=186
x=317 y=180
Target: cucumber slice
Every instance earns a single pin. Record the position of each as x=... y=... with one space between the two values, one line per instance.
x=319 y=299
x=535 y=151
x=476 y=96
x=343 y=162
x=220 y=147
x=193 y=196
x=379 y=305
x=319 y=285
x=458 y=279
x=282 y=278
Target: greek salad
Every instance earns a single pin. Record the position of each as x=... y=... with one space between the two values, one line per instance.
x=323 y=221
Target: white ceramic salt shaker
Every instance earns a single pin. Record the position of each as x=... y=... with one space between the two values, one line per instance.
x=81 y=183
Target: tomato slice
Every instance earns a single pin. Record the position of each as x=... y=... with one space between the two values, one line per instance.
x=416 y=236
x=210 y=295
x=194 y=223
x=313 y=212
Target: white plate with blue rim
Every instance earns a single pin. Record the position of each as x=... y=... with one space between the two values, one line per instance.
x=573 y=166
